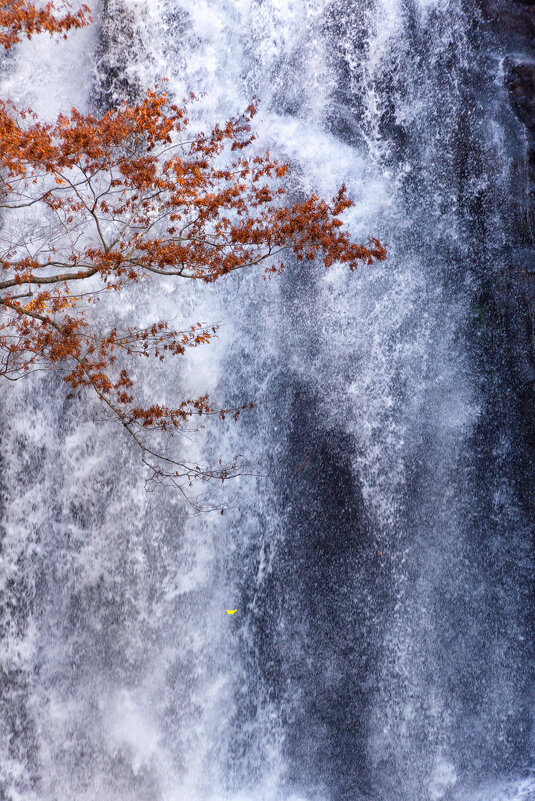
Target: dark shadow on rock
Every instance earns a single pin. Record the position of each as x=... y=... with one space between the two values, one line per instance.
x=317 y=609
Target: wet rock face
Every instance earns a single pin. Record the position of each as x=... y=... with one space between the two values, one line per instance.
x=512 y=24
x=116 y=75
x=515 y=23
x=520 y=80
x=521 y=84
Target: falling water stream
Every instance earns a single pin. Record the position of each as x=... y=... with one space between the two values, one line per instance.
x=381 y=560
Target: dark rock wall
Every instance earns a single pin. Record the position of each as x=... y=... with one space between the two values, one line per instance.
x=118 y=55
x=512 y=23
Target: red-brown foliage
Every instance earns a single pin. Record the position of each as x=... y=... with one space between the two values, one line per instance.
x=19 y=19
x=102 y=203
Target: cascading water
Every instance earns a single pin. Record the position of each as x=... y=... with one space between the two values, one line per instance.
x=381 y=562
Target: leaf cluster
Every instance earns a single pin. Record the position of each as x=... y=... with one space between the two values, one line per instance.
x=93 y=204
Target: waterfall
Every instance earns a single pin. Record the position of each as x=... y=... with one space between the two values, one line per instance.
x=381 y=556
